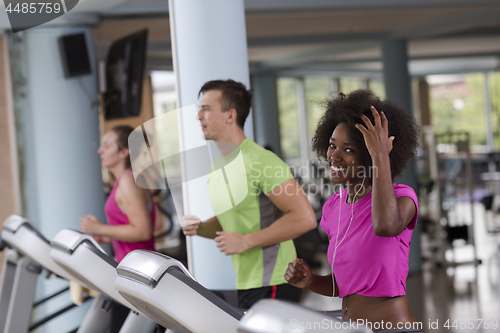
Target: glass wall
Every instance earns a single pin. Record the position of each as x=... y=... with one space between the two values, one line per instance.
x=378 y=88
x=167 y=133
x=494 y=81
x=348 y=84
x=288 y=119
x=458 y=103
x=317 y=91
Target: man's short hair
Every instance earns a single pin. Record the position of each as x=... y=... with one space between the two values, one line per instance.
x=234 y=96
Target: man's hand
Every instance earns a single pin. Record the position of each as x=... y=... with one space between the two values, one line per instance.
x=89 y=224
x=190 y=225
x=102 y=239
x=231 y=242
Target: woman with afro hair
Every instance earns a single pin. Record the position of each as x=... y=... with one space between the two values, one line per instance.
x=367 y=143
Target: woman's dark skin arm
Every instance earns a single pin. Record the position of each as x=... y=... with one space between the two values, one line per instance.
x=299 y=274
x=390 y=215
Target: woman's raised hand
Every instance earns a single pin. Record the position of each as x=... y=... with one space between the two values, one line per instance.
x=376 y=136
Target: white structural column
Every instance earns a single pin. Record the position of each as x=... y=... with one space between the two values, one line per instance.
x=58 y=137
x=208 y=43
x=65 y=133
x=398 y=89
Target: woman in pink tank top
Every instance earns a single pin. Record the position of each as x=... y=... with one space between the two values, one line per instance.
x=129 y=209
x=367 y=143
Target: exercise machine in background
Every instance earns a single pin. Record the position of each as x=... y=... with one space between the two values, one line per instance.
x=451 y=166
x=28 y=258
x=80 y=254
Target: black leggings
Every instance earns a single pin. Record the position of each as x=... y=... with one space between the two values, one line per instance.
x=248 y=297
x=118 y=315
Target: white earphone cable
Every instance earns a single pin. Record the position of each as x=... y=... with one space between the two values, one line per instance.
x=345 y=234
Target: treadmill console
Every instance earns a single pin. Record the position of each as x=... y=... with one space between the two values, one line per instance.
x=14 y=222
x=68 y=240
x=148 y=267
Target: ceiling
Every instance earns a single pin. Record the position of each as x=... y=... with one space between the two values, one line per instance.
x=297 y=37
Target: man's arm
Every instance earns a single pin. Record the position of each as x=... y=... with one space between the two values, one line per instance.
x=298 y=219
x=191 y=226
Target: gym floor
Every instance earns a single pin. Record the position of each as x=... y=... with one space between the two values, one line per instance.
x=465 y=296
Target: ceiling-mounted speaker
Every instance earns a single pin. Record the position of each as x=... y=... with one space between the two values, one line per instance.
x=74 y=55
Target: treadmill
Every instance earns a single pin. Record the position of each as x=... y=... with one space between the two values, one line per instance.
x=275 y=316
x=164 y=290
x=80 y=255
x=28 y=257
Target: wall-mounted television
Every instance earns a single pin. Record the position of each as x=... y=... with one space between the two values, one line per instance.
x=124 y=75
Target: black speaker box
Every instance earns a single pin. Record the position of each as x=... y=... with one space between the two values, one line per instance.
x=74 y=55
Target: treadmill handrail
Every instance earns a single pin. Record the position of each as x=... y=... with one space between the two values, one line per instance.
x=125 y=270
x=91 y=246
x=15 y=222
x=167 y=265
x=207 y=294
x=68 y=240
x=99 y=253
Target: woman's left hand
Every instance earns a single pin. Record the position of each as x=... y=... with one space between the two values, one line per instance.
x=376 y=136
x=89 y=224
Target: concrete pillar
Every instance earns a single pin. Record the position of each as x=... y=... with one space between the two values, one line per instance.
x=425 y=117
x=10 y=202
x=335 y=86
x=398 y=89
x=208 y=43
x=265 y=109
x=10 y=198
x=365 y=84
x=65 y=133
x=424 y=102
x=57 y=135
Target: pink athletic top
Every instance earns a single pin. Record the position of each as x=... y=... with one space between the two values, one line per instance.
x=116 y=216
x=367 y=264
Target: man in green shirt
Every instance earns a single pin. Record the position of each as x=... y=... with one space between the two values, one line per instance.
x=269 y=207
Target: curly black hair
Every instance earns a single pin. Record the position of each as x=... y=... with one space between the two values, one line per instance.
x=349 y=108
